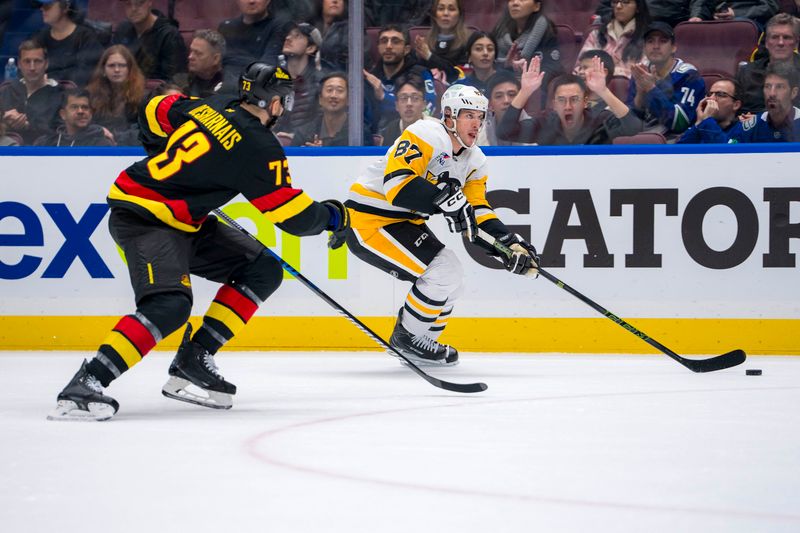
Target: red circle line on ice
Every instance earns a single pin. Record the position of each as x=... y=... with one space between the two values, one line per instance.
x=251 y=447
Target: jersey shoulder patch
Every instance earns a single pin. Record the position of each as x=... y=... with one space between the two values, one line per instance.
x=683 y=67
x=750 y=123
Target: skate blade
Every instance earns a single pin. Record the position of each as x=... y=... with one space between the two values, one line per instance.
x=420 y=361
x=68 y=411
x=184 y=391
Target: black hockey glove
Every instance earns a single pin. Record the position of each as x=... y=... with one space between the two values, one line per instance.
x=523 y=255
x=457 y=210
x=338 y=224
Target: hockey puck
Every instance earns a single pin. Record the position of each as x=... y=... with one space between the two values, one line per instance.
x=753 y=372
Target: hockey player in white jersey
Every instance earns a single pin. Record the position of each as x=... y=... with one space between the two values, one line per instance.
x=433 y=167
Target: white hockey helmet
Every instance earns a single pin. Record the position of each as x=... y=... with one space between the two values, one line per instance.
x=458 y=97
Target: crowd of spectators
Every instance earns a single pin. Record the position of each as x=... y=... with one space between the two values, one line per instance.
x=81 y=82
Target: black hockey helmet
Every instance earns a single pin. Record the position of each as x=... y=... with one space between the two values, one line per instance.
x=260 y=82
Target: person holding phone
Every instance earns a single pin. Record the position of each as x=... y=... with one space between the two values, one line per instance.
x=759 y=11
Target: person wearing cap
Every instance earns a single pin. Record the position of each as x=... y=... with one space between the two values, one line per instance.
x=300 y=53
x=153 y=39
x=205 y=64
x=73 y=49
x=665 y=93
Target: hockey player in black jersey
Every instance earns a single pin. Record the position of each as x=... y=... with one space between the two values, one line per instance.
x=201 y=154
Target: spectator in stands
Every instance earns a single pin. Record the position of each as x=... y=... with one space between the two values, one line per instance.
x=205 y=64
x=445 y=46
x=117 y=90
x=781 y=39
x=482 y=49
x=501 y=89
x=331 y=21
x=379 y=13
x=410 y=104
x=569 y=121
x=164 y=88
x=666 y=92
x=300 y=51
x=255 y=35
x=77 y=129
x=396 y=61
x=670 y=11
x=585 y=63
x=29 y=106
x=622 y=36
x=780 y=122
x=523 y=32
x=72 y=48
x=330 y=127
x=759 y=11
x=720 y=107
x=153 y=39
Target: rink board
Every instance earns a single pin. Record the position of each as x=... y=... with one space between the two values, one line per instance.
x=697 y=249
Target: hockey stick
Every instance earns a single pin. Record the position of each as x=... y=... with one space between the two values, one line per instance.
x=436 y=382
x=718 y=362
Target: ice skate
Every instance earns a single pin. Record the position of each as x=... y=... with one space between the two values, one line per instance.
x=421 y=349
x=194 y=377
x=83 y=399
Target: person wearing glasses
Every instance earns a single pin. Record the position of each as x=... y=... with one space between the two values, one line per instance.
x=779 y=123
x=410 y=105
x=569 y=122
x=780 y=40
x=665 y=93
x=718 y=110
x=396 y=60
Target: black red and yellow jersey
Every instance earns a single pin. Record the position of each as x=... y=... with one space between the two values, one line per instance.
x=204 y=152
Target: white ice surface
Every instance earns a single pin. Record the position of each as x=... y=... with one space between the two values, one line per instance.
x=331 y=442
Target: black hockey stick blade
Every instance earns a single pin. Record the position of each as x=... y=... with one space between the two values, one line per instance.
x=719 y=362
x=436 y=382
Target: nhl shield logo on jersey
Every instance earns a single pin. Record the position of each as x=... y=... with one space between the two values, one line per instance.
x=442 y=158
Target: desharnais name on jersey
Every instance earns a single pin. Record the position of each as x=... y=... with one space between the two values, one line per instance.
x=202 y=153
x=401 y=185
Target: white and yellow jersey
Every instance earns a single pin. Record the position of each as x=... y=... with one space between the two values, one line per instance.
x=423 y=150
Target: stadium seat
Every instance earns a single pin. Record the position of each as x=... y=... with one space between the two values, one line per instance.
x=577 y=14
x=197 y=15
x=569 y=45
x=716 y=46
x=647 y=137
x=789 y=6
x=619 y=85
x=483 y=14
x=710 y=78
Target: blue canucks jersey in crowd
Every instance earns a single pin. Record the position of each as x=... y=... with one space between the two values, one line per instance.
x=757 y=129
x=673 y=101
